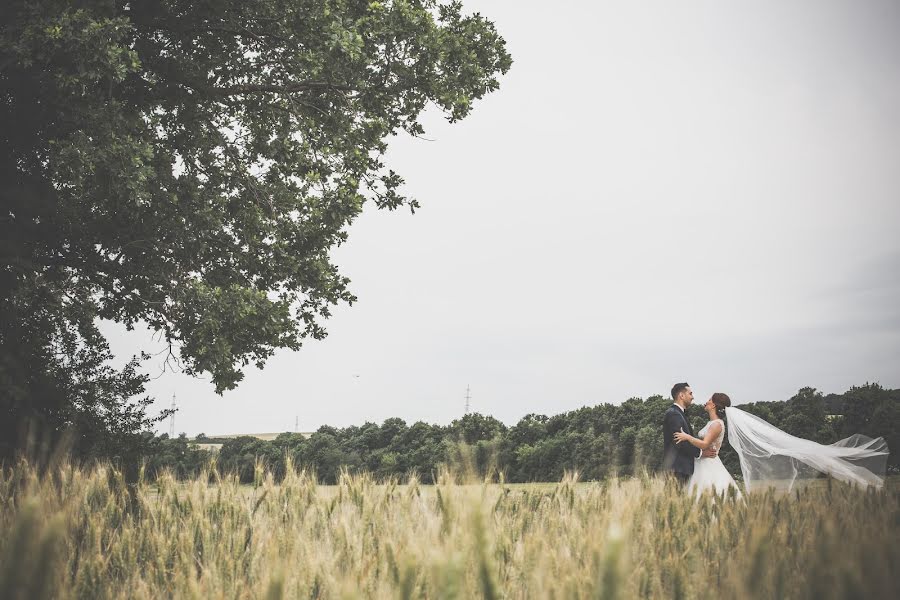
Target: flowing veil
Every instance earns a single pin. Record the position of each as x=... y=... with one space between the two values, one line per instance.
x=772 y=458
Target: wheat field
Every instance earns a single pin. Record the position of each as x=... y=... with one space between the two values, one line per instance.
x=84 y=533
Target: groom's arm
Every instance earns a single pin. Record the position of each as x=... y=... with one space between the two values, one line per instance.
x=673 y=423
x=688 y=450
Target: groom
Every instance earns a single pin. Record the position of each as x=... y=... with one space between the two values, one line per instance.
x=678 y=458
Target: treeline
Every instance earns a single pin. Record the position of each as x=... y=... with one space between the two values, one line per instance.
x=597 y=441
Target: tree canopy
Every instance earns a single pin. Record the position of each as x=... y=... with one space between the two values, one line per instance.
x=190 y=165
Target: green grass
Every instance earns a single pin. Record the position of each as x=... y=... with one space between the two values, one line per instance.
x=86 y=534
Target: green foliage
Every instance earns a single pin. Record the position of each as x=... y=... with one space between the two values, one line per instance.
x=474 y=428
x=179 y=456
x=191 y=165
x=597 y=442
x=806 y=417
x=874 y=411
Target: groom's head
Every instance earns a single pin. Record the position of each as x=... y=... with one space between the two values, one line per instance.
x=682 y=394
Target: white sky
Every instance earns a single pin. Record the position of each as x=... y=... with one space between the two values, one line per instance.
x=695 y=191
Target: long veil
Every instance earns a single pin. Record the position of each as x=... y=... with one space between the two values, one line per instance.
x=772 y=458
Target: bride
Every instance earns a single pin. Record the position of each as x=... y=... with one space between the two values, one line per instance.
x=770 y=457
x=710 y=472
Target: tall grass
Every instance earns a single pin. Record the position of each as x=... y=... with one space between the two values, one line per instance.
x=76 y=533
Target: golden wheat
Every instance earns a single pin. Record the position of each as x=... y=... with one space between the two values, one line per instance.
x=85 y=533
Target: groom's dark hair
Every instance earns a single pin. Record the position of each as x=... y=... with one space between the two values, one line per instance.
x=676 y=389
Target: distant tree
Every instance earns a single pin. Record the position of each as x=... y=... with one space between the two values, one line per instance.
x=530 y=429
x=389 y=430
x=330 y=430
x=648 y=447
x=178 y=455
x=874 y=411
x=594 y=440
x=289 y=441
x=475 y=427
x=625 y=446
x=834 y=404
x=805 y=417
x=421 y=449
x=239 y=455
x=324 y=454
x=547 y=460
x=362 y=440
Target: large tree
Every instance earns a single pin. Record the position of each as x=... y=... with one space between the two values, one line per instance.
x=189 y=164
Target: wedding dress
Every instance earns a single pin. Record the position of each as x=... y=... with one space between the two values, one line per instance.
x=710 y=473
x=771 y=457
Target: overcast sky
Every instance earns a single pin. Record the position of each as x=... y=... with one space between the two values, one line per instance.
x=696 y=191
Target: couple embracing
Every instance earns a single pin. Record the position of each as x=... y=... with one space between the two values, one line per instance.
x=695 y=461
x=769 y=457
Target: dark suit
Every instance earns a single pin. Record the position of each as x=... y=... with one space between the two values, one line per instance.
x=678 y=458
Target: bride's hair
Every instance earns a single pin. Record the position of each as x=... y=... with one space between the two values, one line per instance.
x=722 y=401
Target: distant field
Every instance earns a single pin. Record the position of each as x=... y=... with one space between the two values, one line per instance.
x=215 y=444
x=892 y=483
x=79 y=534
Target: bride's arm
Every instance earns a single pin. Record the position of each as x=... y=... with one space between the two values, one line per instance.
x=711 y=434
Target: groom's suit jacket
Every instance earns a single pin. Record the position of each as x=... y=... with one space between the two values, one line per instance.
x=677 y=457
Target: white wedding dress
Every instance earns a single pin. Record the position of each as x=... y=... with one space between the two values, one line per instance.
x=710 y=473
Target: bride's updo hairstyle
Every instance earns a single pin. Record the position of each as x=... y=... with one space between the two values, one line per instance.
x=722 y=401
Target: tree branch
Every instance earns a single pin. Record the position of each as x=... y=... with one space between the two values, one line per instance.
x=257 y=88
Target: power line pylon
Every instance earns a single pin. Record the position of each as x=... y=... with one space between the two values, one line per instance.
x=172 y=418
